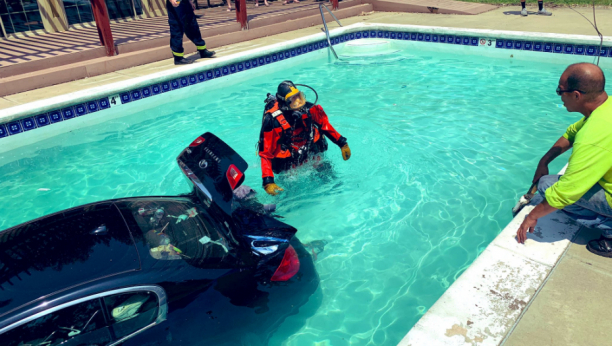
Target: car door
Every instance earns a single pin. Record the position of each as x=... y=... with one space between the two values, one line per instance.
x=105 y=319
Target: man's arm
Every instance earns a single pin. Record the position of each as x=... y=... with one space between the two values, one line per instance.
x=561 y=146
x=320 y=118
x=267 y=146
x=531 y=220
x=588 y=164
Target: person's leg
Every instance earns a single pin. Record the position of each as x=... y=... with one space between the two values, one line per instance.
x=523 y=9
x=541 y=10
x=547 y=181
x=595 y=200
x=595 y=212
x=229 y=5
x=192 y=30
x=592 y=211
x=176 y=36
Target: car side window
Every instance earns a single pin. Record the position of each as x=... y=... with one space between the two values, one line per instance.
x=80 y=324
x=180 y=230
x=130 y=312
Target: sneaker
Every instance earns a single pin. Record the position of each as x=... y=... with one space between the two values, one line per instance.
x=207 y=53
x=543 y=12
x=524 y=12
x=601 y=246
x=181 y=61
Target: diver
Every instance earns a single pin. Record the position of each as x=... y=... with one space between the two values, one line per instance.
x=291 y=132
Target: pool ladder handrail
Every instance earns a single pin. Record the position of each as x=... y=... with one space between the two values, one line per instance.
x=327 y=30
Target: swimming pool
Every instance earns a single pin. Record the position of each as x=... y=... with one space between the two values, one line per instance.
x=443 y=143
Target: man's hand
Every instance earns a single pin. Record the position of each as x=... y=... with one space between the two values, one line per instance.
x=273 y=189
x=541 y=171
x=528 y=225
x=174 y=3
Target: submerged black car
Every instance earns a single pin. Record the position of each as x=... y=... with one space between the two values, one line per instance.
x=198 y=269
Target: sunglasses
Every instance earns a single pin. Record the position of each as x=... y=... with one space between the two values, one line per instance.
x=561 y=91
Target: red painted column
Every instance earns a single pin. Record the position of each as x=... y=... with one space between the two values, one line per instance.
x=241 y=13
x=100 y=13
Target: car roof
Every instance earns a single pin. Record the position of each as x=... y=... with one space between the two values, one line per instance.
x=61 y=251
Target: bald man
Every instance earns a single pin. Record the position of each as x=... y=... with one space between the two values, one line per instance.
x=584 y=192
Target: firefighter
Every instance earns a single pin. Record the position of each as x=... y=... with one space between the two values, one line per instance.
x=292 y=131
x=182 y=20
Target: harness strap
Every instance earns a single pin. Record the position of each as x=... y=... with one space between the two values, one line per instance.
x=278 y=115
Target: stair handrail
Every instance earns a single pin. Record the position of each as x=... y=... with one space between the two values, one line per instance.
x=327 y=30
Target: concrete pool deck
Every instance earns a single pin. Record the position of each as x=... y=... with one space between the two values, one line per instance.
x=557 y=311
x=572 y=306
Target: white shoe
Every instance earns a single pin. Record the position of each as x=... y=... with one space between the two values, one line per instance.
x=524 y=12
x=543 y=12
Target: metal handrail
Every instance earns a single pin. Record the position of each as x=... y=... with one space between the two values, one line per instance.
x=326 y=30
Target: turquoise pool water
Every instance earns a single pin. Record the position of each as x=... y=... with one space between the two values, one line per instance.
x=443 y=145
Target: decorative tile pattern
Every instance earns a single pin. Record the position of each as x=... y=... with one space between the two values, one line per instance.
x=93 y=106
x=28 y=124
x=146 y=92
x=136 y=94
x=14 y=128
x=156 y=89
x=42 y=120
x=55 y=116
x=104 y=103
x=80 y=110
x=125 y=98
x=68 y=113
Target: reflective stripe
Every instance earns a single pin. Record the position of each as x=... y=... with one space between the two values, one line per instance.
x=201 y=47
x=178 y=54
x=277 y=113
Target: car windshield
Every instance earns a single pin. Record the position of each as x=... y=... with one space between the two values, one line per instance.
x=179 y=230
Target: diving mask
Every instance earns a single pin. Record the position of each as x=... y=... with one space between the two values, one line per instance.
x=296 y=101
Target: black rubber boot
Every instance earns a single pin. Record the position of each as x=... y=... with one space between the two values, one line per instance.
x=179 y=60
x=601 y=246
x=206 y=53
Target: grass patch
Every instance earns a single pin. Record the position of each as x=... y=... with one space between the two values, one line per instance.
x=548 y=3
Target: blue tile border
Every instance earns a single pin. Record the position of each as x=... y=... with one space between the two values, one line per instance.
x=78 y=110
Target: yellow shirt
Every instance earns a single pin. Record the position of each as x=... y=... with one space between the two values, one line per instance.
x=591 y=159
